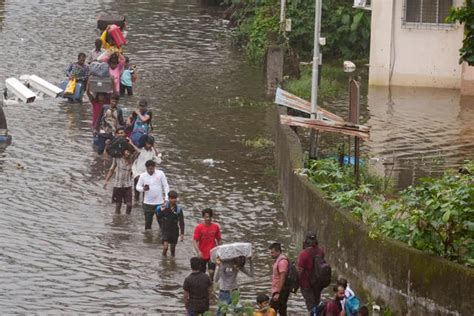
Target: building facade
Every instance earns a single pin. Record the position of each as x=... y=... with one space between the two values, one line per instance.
x=413 y=45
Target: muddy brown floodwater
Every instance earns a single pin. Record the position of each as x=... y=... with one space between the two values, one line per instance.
x=62 y=248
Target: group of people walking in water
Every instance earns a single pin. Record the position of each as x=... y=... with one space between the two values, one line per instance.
x=136 y=176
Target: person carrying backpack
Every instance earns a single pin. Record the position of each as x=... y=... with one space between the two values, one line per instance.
x=334 y=307
x=308 y=260
x=280 y=269
x=110 y=119
x=139 y=123
x=350 y=303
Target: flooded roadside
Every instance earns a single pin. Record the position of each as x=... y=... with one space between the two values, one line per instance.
x=415 y=132
x=62 y=247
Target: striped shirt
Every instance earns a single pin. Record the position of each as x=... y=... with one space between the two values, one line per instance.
x=123 y=172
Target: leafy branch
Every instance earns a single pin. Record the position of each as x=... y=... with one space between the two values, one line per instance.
x=465 y=15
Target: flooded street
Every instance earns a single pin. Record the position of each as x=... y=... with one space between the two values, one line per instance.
x=62 y=248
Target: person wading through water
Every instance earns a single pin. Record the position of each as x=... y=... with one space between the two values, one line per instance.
x=305 y=267
x=148 y=152
x=171 y=221
x=123 y=180
x=280 y=270
x=196 y=287
x=155 y=187
x=206 y=236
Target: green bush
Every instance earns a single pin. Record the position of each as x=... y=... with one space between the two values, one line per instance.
x=236 y=307
x=258 y=143
x=436 y=216
x=331 y=84
x=255 y=20
x=347 y=30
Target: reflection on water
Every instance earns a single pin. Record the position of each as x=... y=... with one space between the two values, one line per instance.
x=63 y=248
x=415 y=132
x=424 y=131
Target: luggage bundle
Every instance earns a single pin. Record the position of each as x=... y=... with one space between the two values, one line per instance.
x=231 y=251
x=117 y=35
x=104 y=20
x=116 y=148
x=99 y=80
x=72 y=90
x=99 y=69
x=99 y=84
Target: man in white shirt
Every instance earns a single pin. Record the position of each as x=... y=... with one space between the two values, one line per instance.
x=155 y=187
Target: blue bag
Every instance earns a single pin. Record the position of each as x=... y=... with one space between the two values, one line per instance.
x=78 y=91
x=139 y=138
x=352 y=306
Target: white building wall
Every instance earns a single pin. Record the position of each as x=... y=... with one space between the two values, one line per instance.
x=417 y=57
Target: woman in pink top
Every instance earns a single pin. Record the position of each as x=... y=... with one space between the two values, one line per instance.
x=116 y=64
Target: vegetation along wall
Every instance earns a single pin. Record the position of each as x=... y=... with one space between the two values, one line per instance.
x=406 y=280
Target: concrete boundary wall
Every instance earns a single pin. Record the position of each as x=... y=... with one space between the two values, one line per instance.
x=408 y=281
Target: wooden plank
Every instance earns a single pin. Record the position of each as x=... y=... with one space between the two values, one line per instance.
x=344 y=125
x=287 y=99
x=324 y=126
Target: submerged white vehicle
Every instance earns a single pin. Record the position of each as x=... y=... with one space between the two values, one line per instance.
x=19 y=90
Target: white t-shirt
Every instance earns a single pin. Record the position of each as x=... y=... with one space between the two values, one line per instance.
x=144 y=155
x=348 y=293
x=159 y=187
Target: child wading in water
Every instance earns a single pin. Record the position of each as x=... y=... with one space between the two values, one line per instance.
x=127 y=78
x=171 y=221
x=263 y=306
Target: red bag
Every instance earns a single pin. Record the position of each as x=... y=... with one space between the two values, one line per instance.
x=117 y=35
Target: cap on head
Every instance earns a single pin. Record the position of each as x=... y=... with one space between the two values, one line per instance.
x=310 y=238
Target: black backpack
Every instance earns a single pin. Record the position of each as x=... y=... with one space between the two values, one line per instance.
x=321 y=276
x=291 y=281
x=318 y=310
x=117 y=147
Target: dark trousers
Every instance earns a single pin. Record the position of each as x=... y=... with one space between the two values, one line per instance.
x=136 y=193
x=123 y=88
x=311 y=296
x=281 y=305
x=149 y=211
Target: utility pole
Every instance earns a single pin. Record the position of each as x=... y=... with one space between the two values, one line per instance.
x=282 y=14
x=314 y=81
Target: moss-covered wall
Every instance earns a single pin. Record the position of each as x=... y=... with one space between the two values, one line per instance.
x=406 y=280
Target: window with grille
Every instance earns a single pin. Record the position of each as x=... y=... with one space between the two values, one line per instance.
x=426 y=11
